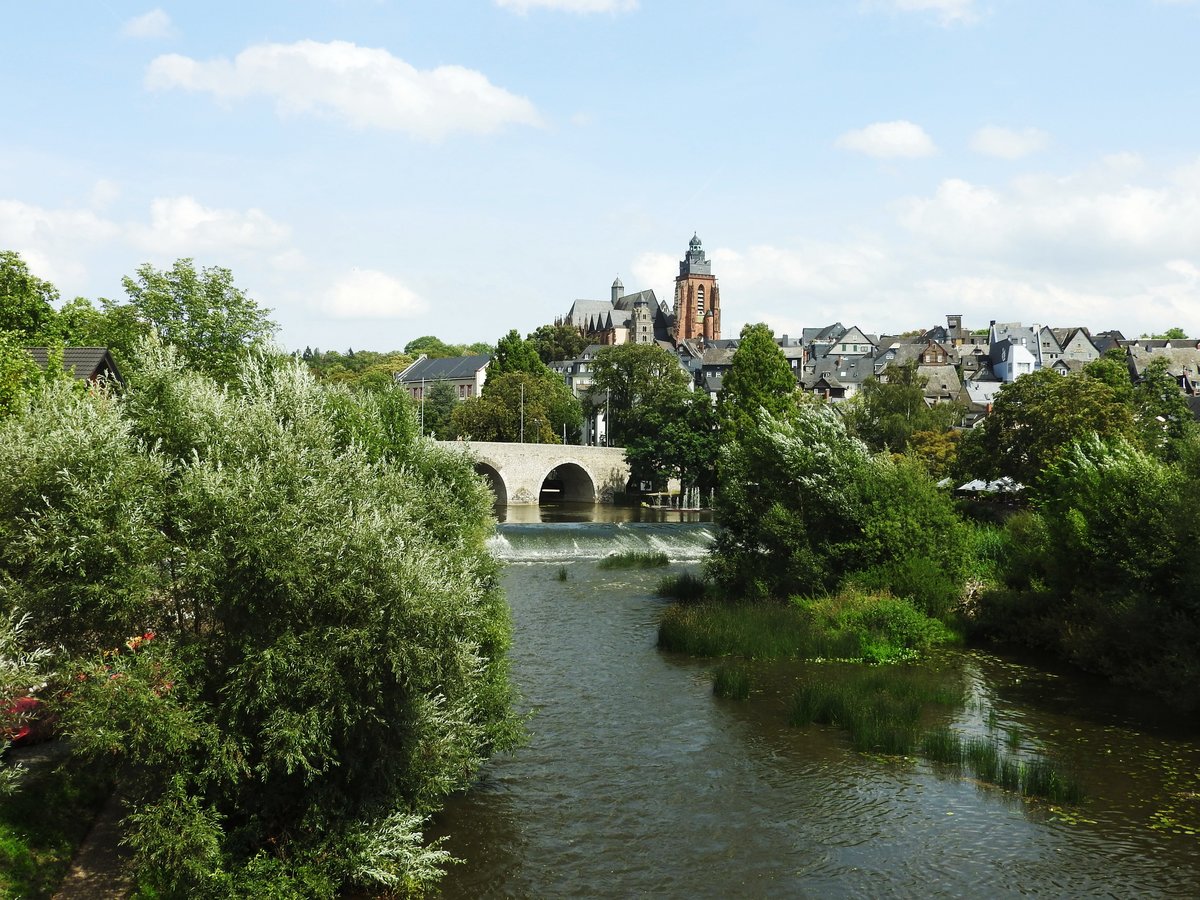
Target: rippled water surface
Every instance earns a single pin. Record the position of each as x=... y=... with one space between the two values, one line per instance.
x=637 y=781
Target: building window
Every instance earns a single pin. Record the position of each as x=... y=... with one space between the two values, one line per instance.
x=700 y=300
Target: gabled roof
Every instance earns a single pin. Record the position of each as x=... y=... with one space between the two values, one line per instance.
x=445 y=369
x=85 y=363
x=1180 y=361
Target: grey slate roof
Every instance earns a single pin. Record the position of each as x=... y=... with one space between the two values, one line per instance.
x=85 y=363
x=445 y=369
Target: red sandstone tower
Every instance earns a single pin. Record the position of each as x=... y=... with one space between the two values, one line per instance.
x=697 y=297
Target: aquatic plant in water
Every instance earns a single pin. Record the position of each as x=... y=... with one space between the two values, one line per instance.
x=732 y=681
x=634 y=559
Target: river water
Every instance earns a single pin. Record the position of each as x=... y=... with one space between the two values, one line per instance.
x=637 y=781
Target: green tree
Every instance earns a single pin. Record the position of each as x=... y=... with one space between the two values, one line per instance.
x=18 y=371
x=520 y=404
x=1036 y=418
x=1171 y=334
x=886 y=413
x=433 y=347
x=674 y=436
x=438 y=407
x=759 y=377
x=557 y=342
x=516 y=354
x=282 y=617
x=202 y=313
x=1162 y=412
x=632 y=376
x=27 y=303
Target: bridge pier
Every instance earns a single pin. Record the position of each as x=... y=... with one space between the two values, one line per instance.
x=520 y=474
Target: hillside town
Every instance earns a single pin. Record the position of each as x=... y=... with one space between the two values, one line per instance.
x=958 y=362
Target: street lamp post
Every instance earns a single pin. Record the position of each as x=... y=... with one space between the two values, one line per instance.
x=522 y=413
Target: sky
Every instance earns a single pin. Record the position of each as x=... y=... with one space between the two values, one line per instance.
x=376 y=170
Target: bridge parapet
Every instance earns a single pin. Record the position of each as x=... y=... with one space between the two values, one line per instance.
x=518 y=472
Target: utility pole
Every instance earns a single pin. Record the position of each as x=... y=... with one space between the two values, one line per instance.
x=522 y=413
x=422 y=407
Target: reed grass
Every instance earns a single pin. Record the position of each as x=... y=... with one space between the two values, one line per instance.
x=732 y=681
x=752 y=631
x=943 y=746
x=634 y=559
x=562 y=573
x=686 y=587
x=880 y=708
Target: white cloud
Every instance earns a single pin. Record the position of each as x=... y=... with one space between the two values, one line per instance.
x=362 y=86
x=23 y=224
x=368 y=294
x=155 y=25
x=181 y=225
x=1096 y=219
x=948 y=12
x=1007 y=143
x=889 y=140
x=574 y=6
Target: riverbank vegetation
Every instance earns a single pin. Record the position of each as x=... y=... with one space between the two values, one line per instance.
x=854 y=546
x=274 y=614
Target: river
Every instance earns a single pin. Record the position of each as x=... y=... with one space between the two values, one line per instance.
x=637 y=781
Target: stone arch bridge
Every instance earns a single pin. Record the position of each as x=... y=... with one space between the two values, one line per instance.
x=522 y=474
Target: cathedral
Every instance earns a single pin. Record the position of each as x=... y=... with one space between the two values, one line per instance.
x=641 y=318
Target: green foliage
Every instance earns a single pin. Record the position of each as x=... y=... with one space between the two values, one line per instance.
x=886 y=414
x=848 y=626
x=202 y=313
x=759 y=377
x=437 y=409
x=1171 y=334
x=328 y=658
x=26 y=301
x=1164 y=418
x=18 y=372
x=803 y=505
x=637 y=377
x=364 y=369
x=435 y=348
x=496 y=415
x=1036 y=418
x=516 y=354
x=557 y=342
x=674 y=435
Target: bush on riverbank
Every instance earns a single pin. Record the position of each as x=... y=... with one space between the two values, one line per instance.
x=1104 y=570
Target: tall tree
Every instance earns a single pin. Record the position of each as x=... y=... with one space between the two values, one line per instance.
x=674 y=435
x=436 y=409
x=516 y=354
x=556 y=342
x=26 y=301
x=887 y=412
x=759 y=377
x=202 y=313
x=633 y=375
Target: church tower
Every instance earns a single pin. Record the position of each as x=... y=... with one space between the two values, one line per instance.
x=697 y=298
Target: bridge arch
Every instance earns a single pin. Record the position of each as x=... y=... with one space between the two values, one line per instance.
x=494 y=479
x=518 y=473
x=568 y=482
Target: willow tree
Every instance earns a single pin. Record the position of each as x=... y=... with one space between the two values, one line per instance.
x=279 y=617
